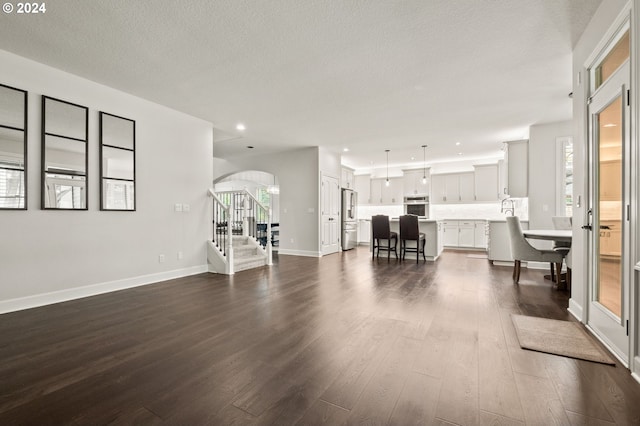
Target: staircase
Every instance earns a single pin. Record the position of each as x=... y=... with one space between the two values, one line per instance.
x=247 y=254
x=240 y=227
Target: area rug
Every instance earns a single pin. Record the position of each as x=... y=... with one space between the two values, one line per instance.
x=564 y=338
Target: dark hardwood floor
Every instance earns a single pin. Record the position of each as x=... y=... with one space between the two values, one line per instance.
x=337 y=340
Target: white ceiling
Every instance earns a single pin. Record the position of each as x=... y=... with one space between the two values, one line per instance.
x=369 y=75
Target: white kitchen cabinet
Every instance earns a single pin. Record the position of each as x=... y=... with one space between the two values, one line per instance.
x=466 y=187
x=517 y=160
x=480 y=234
x=466 y=234
x=347 y=178
x=364 y=231
x=381 y=194
x=412 y=182
x=452 y=188
x=362 y=185
x=450 y=233
x=486 y=182
x=438 y=189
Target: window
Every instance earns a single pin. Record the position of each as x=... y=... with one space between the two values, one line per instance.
x=612 y=60
x=564 y=190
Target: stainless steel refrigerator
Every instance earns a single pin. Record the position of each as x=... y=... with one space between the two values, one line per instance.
x=349 y=219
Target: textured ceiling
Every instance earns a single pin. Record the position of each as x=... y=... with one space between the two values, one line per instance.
x=362 y=74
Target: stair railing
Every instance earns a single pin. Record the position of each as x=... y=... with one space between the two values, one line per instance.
x=222 y=227
x=249 y=218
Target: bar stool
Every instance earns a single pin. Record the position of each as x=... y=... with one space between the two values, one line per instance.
x=409 y=231
x=382 y=231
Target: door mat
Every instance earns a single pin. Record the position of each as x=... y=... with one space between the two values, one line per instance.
x=564 y=338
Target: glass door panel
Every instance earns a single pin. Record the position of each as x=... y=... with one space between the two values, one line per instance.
x=609 y=140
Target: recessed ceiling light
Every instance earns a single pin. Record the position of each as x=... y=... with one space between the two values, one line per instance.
x=240 y=127
x=413 y=158
x=346 y=150
x=459 y=153
x=457 y=143
x=610 y=125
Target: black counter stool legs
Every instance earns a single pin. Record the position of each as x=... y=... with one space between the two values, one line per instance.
x=382 y=231
x=409 y=231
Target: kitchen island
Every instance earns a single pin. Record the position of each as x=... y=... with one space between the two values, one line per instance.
x=433 y=231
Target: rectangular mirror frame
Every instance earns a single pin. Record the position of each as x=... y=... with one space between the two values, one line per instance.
x=24 y=133
x=58 y=172
x=104 y=178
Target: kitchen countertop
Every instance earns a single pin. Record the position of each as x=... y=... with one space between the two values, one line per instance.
x=504 y=220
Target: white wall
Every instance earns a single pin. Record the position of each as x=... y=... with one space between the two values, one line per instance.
x=48 y=256
x=298 y=173
x=542 y=171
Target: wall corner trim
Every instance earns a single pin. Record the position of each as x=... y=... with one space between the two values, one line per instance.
x=28 y=302
x=575 y=309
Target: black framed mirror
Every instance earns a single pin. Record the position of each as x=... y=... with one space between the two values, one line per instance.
x=13 y=148
x=117 y=163
x=65 y=159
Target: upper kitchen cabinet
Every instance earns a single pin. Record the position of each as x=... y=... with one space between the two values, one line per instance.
x=413 y=182
x=486 y=182
x=386 y=195
x=347 y=178
x=362 y=185
x=452 y=188
x=517 y=165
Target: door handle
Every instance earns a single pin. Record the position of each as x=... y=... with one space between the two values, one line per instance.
x=589 y=227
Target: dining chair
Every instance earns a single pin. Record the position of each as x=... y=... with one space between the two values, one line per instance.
x=409 y=231
x=382 y=231
x=562 y=247
x=569 y=262
x=521 y=250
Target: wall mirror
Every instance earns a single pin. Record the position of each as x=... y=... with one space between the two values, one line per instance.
x=117 y=163
x=13 y=148
x=64 y=154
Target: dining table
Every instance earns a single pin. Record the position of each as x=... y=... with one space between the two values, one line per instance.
x=562 y=235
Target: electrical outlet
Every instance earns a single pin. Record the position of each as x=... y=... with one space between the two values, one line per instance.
x=177 y=207
x=180 y=255
x=161 y=258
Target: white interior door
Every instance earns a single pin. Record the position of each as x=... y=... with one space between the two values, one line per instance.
x=330 y=215
x=609 y=179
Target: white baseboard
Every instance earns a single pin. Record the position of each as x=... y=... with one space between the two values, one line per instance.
x=305 y=253
x=575 y=309
x=37 y=300
x=636 y=368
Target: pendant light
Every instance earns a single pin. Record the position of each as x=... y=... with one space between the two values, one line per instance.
x=387 y=181
x=424 y=159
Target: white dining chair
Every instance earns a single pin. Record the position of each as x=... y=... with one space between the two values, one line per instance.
x=521 y=250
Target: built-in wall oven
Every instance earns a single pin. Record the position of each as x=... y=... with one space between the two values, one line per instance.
x=417 y=204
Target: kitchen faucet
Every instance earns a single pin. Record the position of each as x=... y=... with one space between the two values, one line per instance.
x=509 y=209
